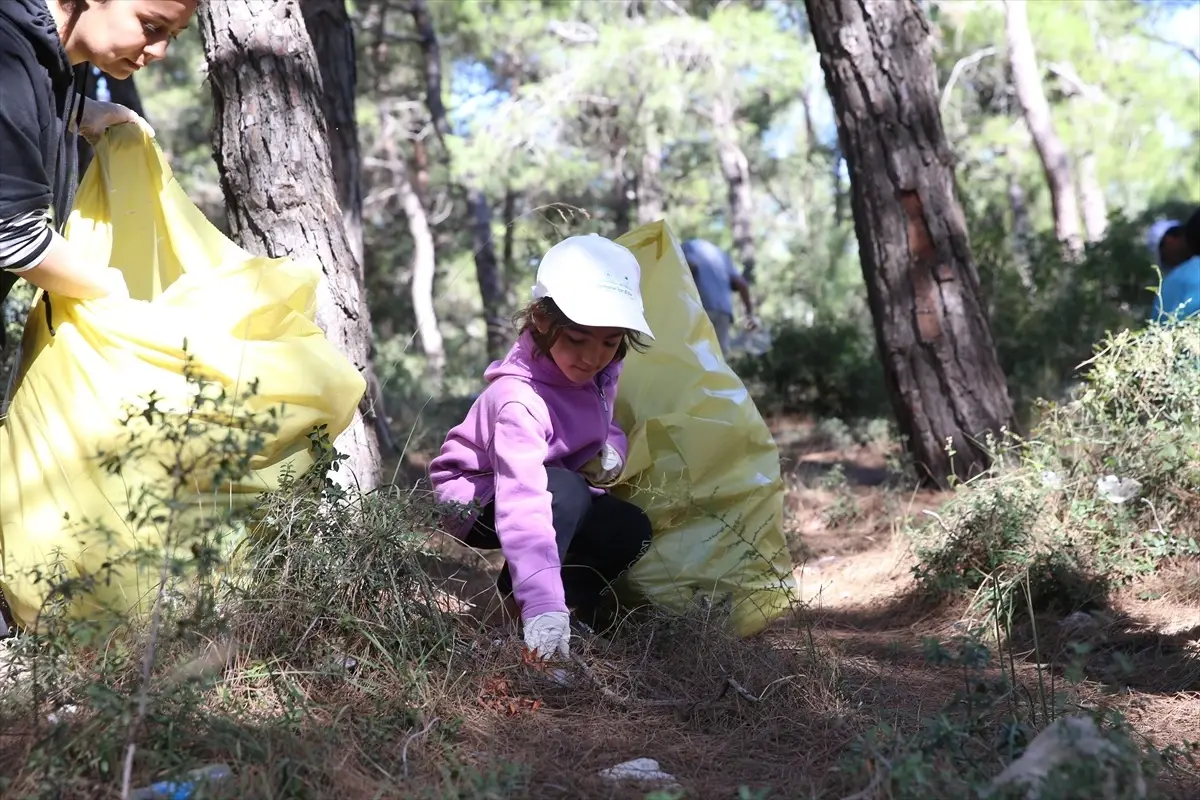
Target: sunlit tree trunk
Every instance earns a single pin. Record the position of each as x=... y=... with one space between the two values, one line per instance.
x=1056 y=162
x=938 y=355
x=272 y=152
x=736 y=170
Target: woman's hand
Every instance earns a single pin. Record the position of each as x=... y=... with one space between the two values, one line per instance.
x=99 y=116
x=113 y=280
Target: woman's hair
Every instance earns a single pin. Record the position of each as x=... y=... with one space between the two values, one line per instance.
x=547 y=311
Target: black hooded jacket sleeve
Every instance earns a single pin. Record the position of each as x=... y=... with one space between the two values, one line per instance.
x=37 y=152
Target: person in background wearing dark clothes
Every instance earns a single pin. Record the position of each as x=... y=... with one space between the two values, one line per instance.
x=716 y=279
x=42 y=43
x=44 y=48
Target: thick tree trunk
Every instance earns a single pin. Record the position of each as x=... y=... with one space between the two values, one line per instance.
x=487 y=272
x=930 y=325
x=649 y=185
x=332 y=36
x=272 y=152
x=736 y=169
x=1056 y=162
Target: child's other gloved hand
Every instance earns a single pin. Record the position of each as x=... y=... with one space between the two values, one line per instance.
x=549 y=634
x=604 y=468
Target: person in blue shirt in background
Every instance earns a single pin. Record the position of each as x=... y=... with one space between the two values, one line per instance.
x=716 y=279
x=1177 y=248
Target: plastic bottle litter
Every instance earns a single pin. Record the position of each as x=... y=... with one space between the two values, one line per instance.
x=186 y=788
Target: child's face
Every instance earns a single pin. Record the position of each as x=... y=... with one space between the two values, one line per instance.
x=582 y=352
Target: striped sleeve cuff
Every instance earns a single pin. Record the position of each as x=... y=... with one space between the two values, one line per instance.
x=24 y=240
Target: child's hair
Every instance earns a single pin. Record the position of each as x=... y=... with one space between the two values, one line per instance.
x=546 y=309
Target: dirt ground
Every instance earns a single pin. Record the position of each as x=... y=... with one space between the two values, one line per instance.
x=791 y=702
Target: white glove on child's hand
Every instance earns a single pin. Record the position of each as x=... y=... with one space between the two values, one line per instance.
x=604 y=468
x=549 y=633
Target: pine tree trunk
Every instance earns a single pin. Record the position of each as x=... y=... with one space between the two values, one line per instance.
x=272 y=152
x=736 y=170
x=510 y=228
x=328 y=25
x=938 y=354
x=332 y=35
x=1056 y=163
x=487 y=273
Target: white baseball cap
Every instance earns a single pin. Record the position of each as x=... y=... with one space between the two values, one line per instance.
x=595 y=282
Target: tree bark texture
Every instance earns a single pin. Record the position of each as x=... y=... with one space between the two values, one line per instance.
x=332 y=36
x=938 y=354
x=487 y=272
x=736 y=170
x=272 y=153
x=1056 y=162
x=328 y=25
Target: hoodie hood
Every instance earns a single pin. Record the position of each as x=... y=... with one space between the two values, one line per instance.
x=33 y=20
x=525 y=361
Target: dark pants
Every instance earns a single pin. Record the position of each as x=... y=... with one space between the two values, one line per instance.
x=599 y=537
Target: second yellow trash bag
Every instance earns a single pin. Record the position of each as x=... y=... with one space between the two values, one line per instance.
x=248 y=323
x=702 y=462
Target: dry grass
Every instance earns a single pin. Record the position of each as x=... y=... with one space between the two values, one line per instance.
x=440 y=703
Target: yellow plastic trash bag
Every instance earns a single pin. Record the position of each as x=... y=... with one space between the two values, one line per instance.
x=247 y=321
x=702 y=462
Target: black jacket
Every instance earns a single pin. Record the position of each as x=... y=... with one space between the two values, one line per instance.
x=38 y=97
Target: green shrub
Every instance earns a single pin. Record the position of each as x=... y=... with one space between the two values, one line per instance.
x=1044 y=527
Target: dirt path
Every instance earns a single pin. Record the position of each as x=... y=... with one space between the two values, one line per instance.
x=853 y=659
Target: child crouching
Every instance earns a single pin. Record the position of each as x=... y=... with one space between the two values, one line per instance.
x=544 y=420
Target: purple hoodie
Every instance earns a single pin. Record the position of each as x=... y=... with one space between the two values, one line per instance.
x=529 y=417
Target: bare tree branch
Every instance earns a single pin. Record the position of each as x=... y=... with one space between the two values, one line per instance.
x=1194 y=52
x=1067 y=74
x=962 y=64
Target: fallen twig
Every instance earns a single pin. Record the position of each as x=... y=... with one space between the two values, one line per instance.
x=688 y=706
